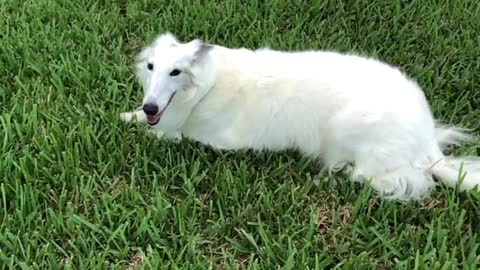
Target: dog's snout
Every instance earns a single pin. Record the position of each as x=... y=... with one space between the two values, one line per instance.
x=150 y=108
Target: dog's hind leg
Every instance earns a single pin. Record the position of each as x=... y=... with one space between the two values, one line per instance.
x=388 y=151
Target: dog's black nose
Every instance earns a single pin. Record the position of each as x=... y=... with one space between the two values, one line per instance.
x=150 y=108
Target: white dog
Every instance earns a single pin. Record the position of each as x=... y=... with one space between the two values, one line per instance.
x=353 y=113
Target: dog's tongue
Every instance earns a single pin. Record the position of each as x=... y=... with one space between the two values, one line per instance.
x=153 y=119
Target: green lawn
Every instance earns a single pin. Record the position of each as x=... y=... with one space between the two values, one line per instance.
x=79 y=189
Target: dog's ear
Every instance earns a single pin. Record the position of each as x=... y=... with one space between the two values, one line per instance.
x=197 y=50
x=142 y=55
x=166 y=39
x=140 y=65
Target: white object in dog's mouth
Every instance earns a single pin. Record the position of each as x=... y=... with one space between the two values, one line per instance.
x=154 y=119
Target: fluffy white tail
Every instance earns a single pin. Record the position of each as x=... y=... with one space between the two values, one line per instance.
x=450 y=170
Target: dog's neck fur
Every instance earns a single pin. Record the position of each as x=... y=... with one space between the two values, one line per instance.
x=221 y=96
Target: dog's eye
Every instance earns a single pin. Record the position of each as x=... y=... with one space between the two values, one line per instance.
x=150 y=66
x=175 y=72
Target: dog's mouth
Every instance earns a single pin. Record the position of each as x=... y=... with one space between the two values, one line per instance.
x=152 y=120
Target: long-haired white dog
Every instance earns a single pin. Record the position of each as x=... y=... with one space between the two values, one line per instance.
x=355 y=114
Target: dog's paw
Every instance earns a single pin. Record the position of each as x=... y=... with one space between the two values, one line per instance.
x=138 y=116
x=157 y=133
x=126 y=116
x=175 y=137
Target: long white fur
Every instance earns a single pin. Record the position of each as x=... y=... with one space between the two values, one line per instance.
x=349 y=111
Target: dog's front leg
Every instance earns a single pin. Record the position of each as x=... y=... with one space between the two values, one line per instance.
x=175 y=136
x=140 y=117
x=137 y=115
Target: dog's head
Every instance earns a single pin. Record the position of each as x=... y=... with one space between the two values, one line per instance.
x=171 y=75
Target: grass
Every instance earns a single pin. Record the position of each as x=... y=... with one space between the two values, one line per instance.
x=81 y=190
